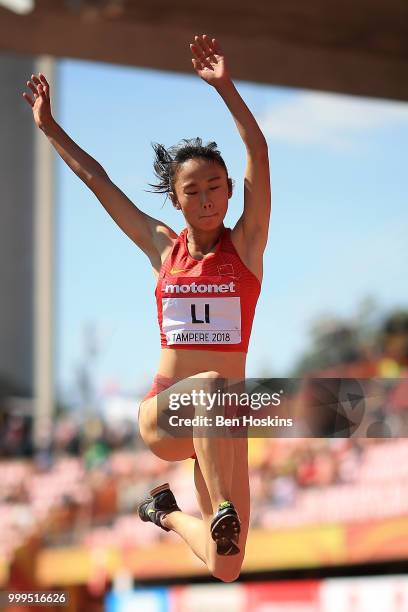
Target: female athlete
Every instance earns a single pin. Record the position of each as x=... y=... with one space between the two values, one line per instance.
x=208 y=283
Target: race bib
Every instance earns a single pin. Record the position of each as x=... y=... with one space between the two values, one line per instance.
x=201 y=311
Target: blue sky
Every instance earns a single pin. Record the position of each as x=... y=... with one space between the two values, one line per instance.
x=339 y=213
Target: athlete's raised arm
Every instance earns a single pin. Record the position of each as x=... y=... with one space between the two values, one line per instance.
x=150 y=235
x=210 y=64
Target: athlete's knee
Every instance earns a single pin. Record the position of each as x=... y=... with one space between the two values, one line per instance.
x=226 y=569
x=211 y=374
x=227 y=573
x=227 y=577
x=170 y=449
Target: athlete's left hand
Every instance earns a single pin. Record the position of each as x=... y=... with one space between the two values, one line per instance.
x=209 y=61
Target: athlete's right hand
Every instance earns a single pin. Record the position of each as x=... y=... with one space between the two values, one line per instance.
x=40 y=101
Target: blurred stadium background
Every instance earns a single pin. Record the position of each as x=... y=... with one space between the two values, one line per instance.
x=329 y=524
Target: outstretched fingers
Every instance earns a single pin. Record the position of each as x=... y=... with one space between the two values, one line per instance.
x=33 y=88
x=216 y=46
x=200 y=58
x=197 y=65
x=200 y=52
x=45 y=85
x=28 y=99
x=208 y=47
x=31 y=99
x=39 y=87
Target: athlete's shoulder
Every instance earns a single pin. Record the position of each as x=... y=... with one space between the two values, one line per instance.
x=173 y=251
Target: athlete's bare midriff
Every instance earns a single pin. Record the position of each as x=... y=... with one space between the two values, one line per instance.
x=182 y=363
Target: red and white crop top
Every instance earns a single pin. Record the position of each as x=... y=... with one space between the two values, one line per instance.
x=209 y=303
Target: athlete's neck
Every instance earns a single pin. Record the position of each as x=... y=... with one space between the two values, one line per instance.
x=200 y=242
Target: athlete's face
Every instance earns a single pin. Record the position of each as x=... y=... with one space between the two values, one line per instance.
x=202 y=192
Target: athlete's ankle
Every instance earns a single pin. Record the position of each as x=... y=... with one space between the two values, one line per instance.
x=164 y=522
x=167 y=520
x=220 y=502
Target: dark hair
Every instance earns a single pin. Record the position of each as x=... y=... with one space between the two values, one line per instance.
x=167 y=161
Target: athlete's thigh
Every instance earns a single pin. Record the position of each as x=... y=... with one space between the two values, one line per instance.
x=162 y=434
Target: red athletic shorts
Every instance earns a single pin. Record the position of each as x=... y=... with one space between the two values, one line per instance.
x=160 y=383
